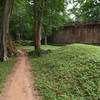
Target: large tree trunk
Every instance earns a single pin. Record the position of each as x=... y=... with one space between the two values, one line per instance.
x=11 y=49
x=38 y=11
x=1 y=39
x=7 y=47
x=37 y=36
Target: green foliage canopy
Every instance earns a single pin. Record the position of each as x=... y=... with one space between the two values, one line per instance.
x=85 y=10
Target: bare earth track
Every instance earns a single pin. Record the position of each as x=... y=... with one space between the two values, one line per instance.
x=19 y=85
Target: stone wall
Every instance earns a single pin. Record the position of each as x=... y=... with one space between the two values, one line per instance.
x=87 y=33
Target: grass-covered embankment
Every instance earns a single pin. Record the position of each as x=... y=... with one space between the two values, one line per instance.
x=5 y=70
x=69 y=73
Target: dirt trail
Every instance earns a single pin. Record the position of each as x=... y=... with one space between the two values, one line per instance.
x=19 y=85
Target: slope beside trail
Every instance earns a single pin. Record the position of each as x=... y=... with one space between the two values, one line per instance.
x=19 y=85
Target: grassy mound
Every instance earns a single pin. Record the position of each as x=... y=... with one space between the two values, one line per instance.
x=69 y=73
x=5 y=70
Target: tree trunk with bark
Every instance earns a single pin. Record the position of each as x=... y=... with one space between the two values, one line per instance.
x=37 y=36
x=45 y=37
x=45 y=40
x=38 y=11
x=6 y=47
x=1 y=49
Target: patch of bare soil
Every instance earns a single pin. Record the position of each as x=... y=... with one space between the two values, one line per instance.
x=19 y=85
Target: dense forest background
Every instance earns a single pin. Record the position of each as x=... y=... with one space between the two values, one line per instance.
x=36 y=19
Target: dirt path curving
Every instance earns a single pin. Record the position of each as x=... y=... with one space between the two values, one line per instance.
x=19 y=85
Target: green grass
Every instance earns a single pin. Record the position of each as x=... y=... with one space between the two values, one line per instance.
x=26 y=48
x=5 y=70
x=69 y=73
x=31 y=48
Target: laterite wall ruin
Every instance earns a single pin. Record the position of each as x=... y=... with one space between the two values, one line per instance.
x=77 y=33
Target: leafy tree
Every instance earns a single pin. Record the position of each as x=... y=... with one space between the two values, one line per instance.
x=47 y=15
x=90 y=10
x=53 y=18
x=85 y=10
